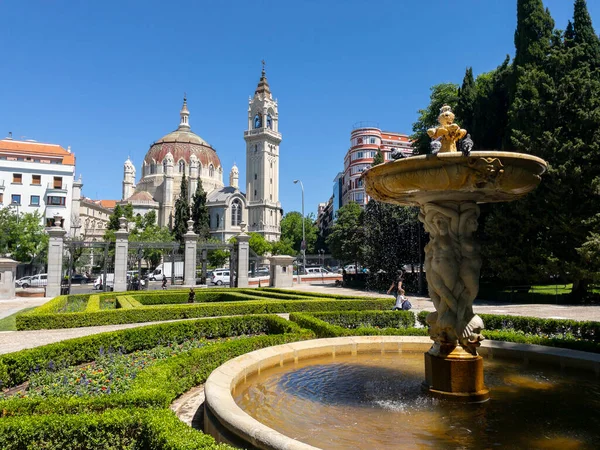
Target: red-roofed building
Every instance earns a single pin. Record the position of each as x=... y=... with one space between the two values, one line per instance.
x=36 y=176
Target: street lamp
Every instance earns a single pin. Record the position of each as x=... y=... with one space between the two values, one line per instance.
x=303 y=246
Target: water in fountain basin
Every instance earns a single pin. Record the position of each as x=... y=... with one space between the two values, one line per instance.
x=374 y=401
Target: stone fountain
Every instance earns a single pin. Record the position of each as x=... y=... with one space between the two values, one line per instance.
x=447 y=186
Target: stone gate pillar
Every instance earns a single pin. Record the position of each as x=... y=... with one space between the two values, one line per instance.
x=191 y=241
x=282 y=271
x=55 y=257
x=243 y=257
x=8 y=271
x=121 y=248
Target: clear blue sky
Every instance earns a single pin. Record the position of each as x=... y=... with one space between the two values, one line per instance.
x=107 y=77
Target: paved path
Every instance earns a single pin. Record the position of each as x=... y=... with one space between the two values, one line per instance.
x=11 y=341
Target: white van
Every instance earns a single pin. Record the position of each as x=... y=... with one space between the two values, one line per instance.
x=220 y=277
x=110 y=281
x=38 y=280
x=316 y=270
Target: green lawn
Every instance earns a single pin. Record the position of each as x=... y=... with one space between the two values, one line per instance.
x=8 y=323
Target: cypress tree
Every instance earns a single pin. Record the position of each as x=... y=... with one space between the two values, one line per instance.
x=534 y=32
x=200 y=213
x=378 y=159
x=584 y=33
x=466 y=101
x=182 y=211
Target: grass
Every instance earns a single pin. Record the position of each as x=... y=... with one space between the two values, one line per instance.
x=9 y=323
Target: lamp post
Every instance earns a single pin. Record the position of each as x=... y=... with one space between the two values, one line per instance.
x=303 y=245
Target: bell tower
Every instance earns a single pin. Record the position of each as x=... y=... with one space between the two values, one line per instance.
x=262 y=162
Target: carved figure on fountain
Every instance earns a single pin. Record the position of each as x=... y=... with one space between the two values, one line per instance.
x=452 y=267
x=448 y=131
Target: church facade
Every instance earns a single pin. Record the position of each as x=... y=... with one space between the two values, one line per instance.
x=184 y=152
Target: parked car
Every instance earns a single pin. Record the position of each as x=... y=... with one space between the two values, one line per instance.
x=261 y=272
x=38 y=280
x=21 y=281
x=221 y=277
x=79 y=278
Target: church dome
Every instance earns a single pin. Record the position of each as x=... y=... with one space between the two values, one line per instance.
x=182 y=144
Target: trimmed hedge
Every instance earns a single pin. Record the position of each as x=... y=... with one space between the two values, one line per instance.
x=564 y=333
x=123 y=302
x=15 y=367
x=307 y=294
x=34 y=320
x=375 y=319
x=93 y=304
x=324 y=329
x=124 y=428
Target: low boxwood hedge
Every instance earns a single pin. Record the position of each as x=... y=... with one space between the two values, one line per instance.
x=34 y=320
x=564 y=333
x=318 y=323
x=122 y=428
x=375 y=319
x=15 y=367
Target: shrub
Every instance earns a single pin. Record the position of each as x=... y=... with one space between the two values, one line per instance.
x=376 y=319
x=93 y=304
x=34 y=320
x=15 y=367
x=121 y=428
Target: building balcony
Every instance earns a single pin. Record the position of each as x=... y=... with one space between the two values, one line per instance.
x=267 y=131
x=52 y=189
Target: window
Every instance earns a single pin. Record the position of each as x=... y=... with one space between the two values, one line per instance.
x=1 y=198
x=255 y=148
x=269 y=122
x=15 y=199
x=255 y=176
x=372 y=140
x=35 y=200
x=360 y=155
x=255 y=193
x=57 y=183
x=36 y=180
x=17 y=178
x=153 y=168
x=218 y=218
x=236 y=213
x=164 y=166
x=373 y=154
x=211 y=171
x=257 y=121
x=56 y=201
x=181 y=166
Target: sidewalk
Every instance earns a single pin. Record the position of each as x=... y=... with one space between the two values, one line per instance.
x=13 y=305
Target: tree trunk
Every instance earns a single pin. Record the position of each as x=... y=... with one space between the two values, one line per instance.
x=579 y=292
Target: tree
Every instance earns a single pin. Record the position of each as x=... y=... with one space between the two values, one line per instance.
x=283 y=247
x=390 y=237
x=259 y=244
x=200 y=214
x=584 y=34
x=218 y=257
x=533 y=34
x=378 y=159
x=441 y=94
x=22 y=236
x=149 y=231
x=466 y=100
x=346 y=240
x=182 y=211
x=291 y=231
x=120 y=211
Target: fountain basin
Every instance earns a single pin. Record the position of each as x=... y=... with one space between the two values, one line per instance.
x=482 y=177
x=228 y=423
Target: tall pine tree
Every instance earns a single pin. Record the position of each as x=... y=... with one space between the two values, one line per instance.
x=584 y=34
x=466 y=101
x=182 y=211
x=200 y=213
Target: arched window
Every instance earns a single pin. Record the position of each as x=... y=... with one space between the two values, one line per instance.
x=257 y=121
x=181 y=166
x=153 y=168
x=236 y=212
x=211 y=171
x=164 y=166
x=269 y=121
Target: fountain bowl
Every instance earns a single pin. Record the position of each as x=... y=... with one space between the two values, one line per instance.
x=482 y=177
x=228 y=423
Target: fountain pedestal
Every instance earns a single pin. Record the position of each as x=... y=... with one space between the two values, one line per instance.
x=456 y=377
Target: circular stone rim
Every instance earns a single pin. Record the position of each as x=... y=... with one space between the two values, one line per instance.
x=223 y=380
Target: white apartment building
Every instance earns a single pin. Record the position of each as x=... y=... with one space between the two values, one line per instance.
x=38 y=177
x=94 y=216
